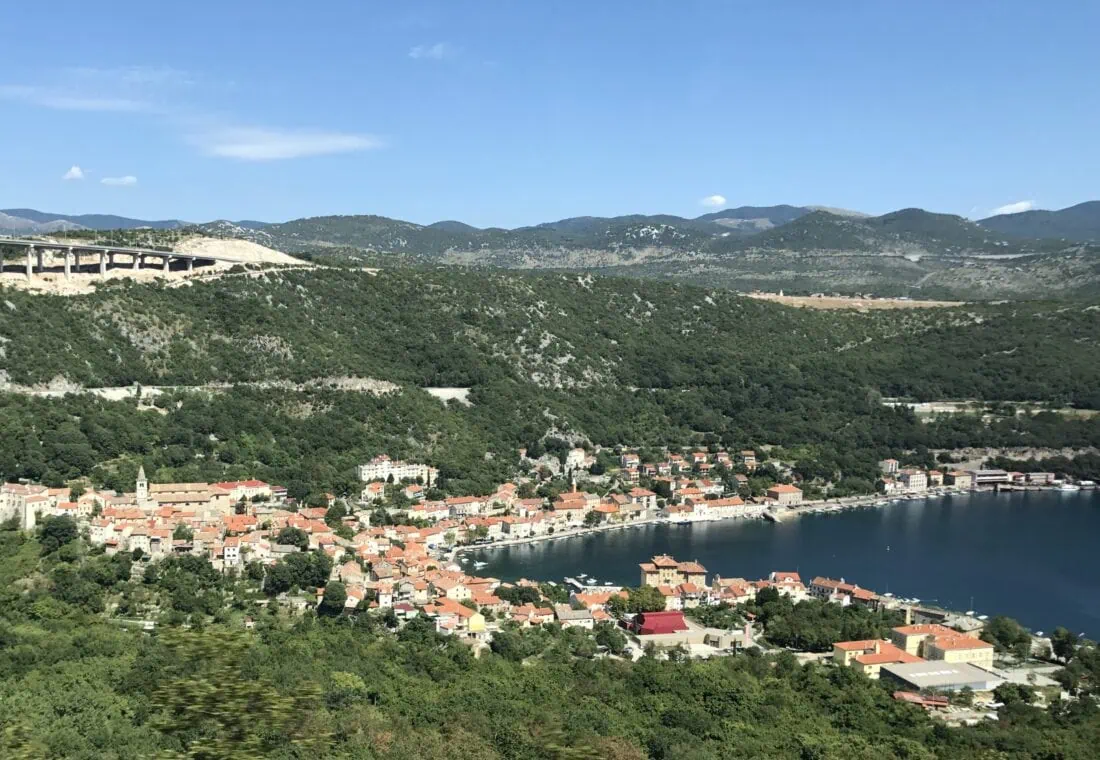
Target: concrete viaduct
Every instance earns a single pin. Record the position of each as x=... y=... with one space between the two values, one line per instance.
x=103 y=256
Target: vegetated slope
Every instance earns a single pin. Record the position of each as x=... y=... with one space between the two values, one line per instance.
x=77 y=684
x=448 y=327
x=1080 y=222
x=612 y=361
x=910 y=251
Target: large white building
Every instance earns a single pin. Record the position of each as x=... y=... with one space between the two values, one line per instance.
x=23 y=502
x=382 y=467
x=913 y=480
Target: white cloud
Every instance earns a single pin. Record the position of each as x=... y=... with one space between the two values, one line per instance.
x=65 y=100
x=259 y=144
x=160 y=95
x=436 y=52
x=714 y=201
x=126 y=181
x=75 y=172
x=1013 y=208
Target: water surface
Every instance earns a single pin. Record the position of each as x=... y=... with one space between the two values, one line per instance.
x=1030 y=555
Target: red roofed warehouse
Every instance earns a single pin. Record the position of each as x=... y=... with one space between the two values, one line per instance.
x=650 y=623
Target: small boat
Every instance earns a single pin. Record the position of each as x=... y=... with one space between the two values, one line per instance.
x=1069 y=487
x=608 y=583
x=480 y=565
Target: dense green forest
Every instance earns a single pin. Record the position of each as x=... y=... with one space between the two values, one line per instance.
x=458 y=328
x=313 y=440
x=74 y=684
x=612 y=362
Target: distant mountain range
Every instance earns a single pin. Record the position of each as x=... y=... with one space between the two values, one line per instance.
x=1080 y=223
x=818 y=249
x=30 y=221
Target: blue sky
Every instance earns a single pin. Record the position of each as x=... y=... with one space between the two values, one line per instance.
x=510 y=113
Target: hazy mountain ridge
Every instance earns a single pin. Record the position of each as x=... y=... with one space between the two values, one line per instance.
x=909 y=251
x=1080 y=223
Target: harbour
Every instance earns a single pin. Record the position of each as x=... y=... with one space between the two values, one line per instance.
x=1025 y=554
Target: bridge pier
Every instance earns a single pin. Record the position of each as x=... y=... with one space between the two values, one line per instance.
x=30 y=255
x=190 y=265
x=68 y=263
x=41 y=256
x=102 y=264
x=137 y=260
x=111 y=258
x=165 y=260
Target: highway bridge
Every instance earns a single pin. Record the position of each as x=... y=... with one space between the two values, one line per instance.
x=76 y=255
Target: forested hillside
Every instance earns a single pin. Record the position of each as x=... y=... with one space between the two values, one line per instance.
x=607 y=361
x=456 y=328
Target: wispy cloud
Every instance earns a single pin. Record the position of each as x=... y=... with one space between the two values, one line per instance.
x=125 y=181
x=127 y=89
x=1013 y=208
x=262 y=144
x=62 y=99
x=713 y=201
x=133 y=76
x=75 y=172
x=163 y=95
x=436 y=52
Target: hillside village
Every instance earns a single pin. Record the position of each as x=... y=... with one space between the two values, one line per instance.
x=413 y=565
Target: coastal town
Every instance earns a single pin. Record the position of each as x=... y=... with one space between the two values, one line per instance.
x=415 y=564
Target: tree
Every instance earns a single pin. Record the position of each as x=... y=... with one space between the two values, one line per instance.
x=332 y=603
x=1064 y=643
x=963 y=697
x=641 y=599
x=1009 y=693
x=611 y=636
x=55 y=532
x=1006 y=634
x=334 y=516
x=293 y=537
x=593 y=518
x=183 y=533
x=213 y=709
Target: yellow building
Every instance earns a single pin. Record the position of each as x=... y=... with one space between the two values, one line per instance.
x=870 y=655
x=911 y=637
x=476 y=623
x=960 y=649
x=663 y=570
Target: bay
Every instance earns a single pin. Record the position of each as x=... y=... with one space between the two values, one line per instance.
x=1029 y=555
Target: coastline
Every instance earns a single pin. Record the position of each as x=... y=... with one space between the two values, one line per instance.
x=824 y=506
